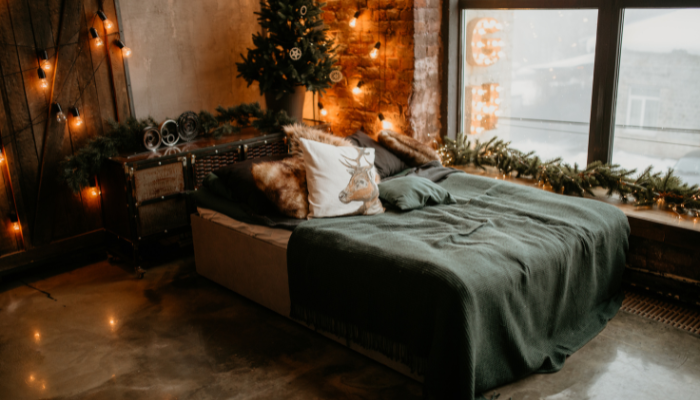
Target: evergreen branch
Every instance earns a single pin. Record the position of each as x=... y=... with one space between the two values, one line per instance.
x=647 y=189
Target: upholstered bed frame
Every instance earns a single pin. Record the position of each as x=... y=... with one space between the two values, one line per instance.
x=257 y=270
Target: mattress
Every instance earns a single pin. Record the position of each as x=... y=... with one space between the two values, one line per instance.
x=251 y=260
x=274 y=236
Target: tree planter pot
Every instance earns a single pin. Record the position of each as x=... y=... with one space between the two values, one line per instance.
x=292 y=103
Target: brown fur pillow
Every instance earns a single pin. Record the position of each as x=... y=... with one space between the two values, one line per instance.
x=411 y=151
x=298 y=131
x=284 y=183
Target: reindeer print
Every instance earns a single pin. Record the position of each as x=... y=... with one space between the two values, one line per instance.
x=362 y=186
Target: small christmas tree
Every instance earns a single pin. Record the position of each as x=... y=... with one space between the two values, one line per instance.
x=292 y=50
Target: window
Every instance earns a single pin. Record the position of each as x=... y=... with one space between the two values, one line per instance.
x=585 y=80
x=658 y=95
x=528 y=77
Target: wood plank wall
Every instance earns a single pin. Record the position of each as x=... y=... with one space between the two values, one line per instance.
x=83 y=75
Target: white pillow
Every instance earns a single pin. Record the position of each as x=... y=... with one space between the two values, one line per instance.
x=341 y=180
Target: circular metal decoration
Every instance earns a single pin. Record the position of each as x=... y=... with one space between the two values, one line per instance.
x=151 y=138
x=168 y=133
x=302 y=10
x=188 y=126
x=295 y=53
x=336 y=76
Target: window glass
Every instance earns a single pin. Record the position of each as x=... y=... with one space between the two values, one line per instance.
x=657 y=116
x=528 y=77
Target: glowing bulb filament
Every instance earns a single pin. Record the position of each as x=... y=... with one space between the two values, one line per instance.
x=46 y=65
x=374 y=53
x=353 y=22
x=98 y=42
x=126 y=52
x=108 y=24
x=324 y=112
x=78 y=121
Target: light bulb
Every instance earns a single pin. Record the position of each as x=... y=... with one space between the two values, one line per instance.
x=358 y=89
x=105 y=21
x=15 y=226
x=94 y=192
x=43 y=82
x=77 y=120
x=324 y=112
x=61 y=117
x=45 y=65
x=353 y=21
x=375 y=51
x=96 y=37
x=126 y=52
x=2 y=158
x=386 y=124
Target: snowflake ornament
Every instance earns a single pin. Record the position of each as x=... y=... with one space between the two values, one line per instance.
x=295 y=53
x=336 y=76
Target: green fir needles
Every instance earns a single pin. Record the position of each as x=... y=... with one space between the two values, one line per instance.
x=648 y=188
x=292 y=50
x=127 y=137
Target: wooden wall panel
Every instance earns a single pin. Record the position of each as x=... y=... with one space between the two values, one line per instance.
x=83 y=75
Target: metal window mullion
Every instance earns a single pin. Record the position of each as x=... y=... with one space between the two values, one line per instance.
x=605 y=76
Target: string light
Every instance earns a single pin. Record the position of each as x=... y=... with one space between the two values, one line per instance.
x=358 y=89
x=45 y=64
x=95 y=37
x=324 y=112
x=125 y=50
x=353 y=21
x=14 y=221
x=92 y=184
x=105 y=21
x=386 y=124
x=375 y=51
x=77 y=119
x=60 y=115
x=42 y=79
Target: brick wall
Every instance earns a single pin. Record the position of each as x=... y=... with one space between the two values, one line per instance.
x=402 y=82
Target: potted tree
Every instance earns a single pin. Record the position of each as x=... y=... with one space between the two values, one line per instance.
x=291 y=55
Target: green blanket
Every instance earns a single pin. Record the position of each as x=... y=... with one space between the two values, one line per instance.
x=508 y=281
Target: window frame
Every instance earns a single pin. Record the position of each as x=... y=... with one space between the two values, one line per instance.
x=605 y=68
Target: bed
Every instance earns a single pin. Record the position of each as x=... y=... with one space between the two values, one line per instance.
x=467 y=297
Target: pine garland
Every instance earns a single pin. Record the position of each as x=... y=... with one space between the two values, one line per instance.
x=125 y=137
x=647 y=189
x=286 y=28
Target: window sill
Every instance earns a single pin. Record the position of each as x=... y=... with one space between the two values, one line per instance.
x=647 y=214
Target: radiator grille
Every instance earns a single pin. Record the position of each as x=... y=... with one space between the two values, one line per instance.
x=659 y=310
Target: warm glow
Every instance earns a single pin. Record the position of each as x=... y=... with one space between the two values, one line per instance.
x=44 y=84
x=94 y=192
x=108 y=24
x=374 y=53
x=386 y=124
x=356 y=90
x=2 y=158
x=353 y=22
x=484 y=51
x=111 y=321
x=37 y=336
x=126 y=52
x=15 y=226
x=324 y=112
x=31 y=378
x=484 y=110
x=78 y=121
x=98 y=41
x=46 y=65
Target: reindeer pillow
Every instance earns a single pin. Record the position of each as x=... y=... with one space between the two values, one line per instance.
x=341 y=180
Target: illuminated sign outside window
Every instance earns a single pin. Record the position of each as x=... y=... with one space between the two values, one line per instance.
x=482 y=106
x=484 y=51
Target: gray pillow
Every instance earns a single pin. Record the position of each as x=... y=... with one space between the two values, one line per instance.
x=412 y=192
x=385 y=161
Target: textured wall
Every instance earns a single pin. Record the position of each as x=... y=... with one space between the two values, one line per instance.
x=402 y=82
x=184 y=54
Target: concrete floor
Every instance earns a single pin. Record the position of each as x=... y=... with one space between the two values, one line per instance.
x=97 y=333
